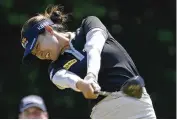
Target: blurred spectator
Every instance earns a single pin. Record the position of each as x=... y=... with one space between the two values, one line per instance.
x=33 y=107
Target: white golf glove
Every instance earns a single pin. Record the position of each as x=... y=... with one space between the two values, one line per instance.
x=91 y=78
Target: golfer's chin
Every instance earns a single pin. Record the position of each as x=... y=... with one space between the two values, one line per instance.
x=54 y=57
x=55 y=54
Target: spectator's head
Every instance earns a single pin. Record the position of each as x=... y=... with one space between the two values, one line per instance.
x=33 y=107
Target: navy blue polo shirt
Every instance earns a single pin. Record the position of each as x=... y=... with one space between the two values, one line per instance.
x=116 y=65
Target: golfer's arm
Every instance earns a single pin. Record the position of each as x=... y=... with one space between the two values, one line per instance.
x=95 y=40
x=65 y=79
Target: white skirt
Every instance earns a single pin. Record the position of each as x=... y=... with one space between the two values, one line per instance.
x=120 y=106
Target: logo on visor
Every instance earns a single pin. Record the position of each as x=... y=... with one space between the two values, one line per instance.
x=24 y=42
x=41 y=26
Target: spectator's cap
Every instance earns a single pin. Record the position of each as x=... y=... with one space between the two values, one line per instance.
x=32 y=101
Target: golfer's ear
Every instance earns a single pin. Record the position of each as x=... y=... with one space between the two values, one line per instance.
x=49 y=29
x=46 y=114
x=20 y=116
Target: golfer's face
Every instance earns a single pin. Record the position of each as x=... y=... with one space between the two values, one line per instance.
x=33 y=113
x=47 y=47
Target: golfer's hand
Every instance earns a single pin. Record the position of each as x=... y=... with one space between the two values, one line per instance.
x=88 y=88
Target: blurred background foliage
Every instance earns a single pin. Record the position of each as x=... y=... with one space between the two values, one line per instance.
x=146 y=28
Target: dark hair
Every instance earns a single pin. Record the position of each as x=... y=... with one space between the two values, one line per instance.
x=53 y=12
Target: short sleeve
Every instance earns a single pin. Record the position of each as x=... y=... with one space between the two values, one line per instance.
x=92 y=22
x=53 y=68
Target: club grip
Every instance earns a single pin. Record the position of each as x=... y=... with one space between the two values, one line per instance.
x=96 y=92
x=103 y=93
